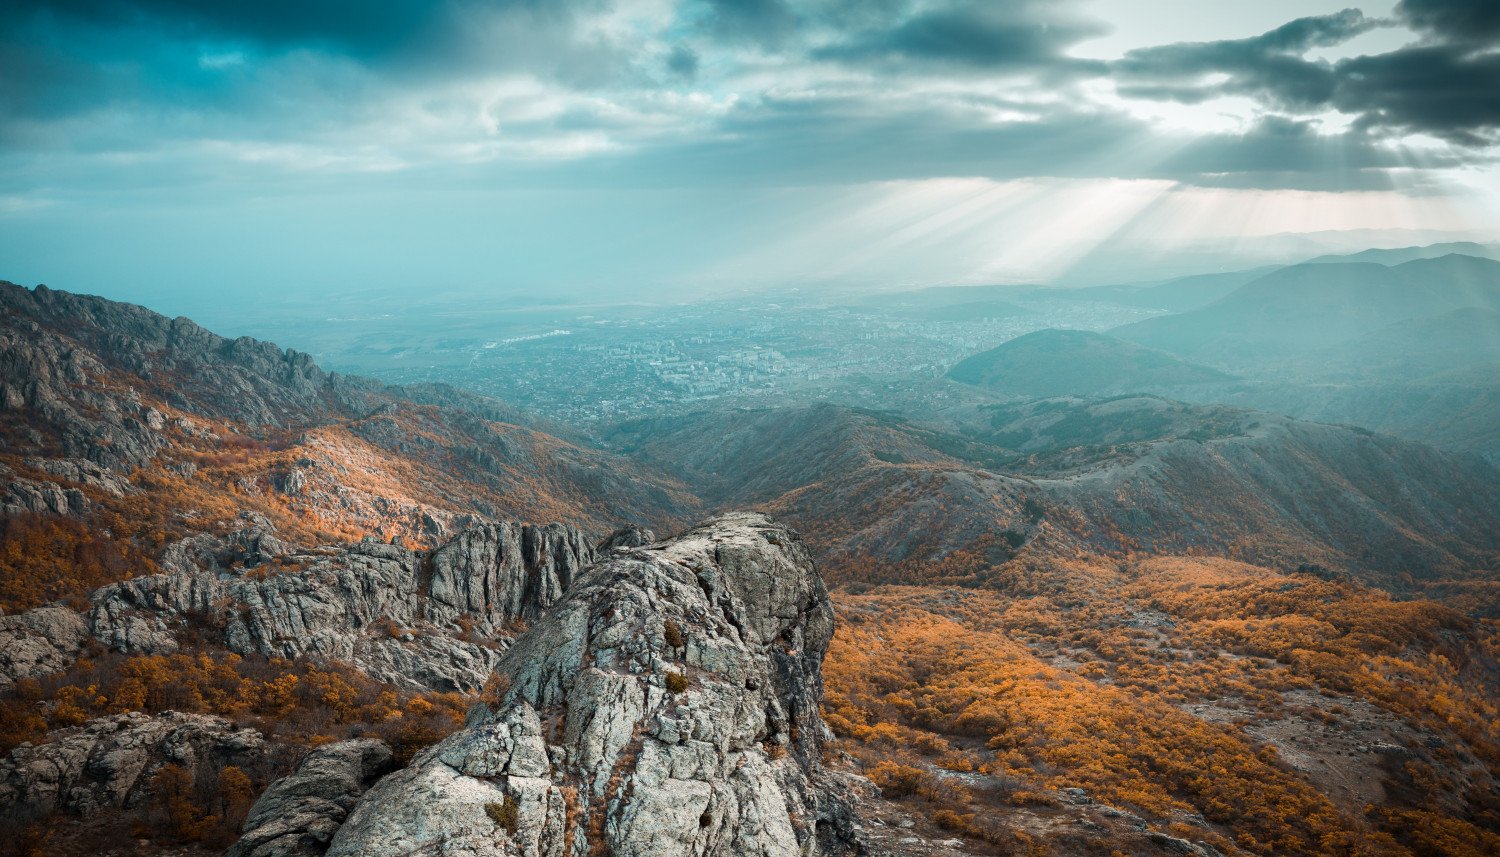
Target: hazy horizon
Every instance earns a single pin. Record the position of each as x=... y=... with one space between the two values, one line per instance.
x=201 y=158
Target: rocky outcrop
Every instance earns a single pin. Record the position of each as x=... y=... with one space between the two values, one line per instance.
x=85 y=473
x=111 y=761
x=39 y=642
x=668 y=705
x=28 y=496
x=299 y=813
x=436 y=619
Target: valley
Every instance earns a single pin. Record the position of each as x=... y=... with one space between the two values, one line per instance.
x=1093 y=588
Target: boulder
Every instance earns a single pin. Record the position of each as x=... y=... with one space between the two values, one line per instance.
x=299 y=813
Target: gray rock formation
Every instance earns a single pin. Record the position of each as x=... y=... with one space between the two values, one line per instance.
x=82 y=472
x=626 y=537
x=29 y=496
x=39 y=642
x=668 y=705
x=434 y=620
x=299 y=813
x=110 y=762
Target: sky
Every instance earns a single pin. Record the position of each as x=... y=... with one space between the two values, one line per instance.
x=196 y=154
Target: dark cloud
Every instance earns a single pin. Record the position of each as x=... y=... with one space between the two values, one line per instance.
x=850 y=138
x=1284 y=152
x=164 y=60
x=1459 y=21
x=682 y=61
x=991 y=36
x=769 y=23
x=1436 y=90
x=1269 y=66
x=355 y=26
x=1444 y=86
x=157 y=73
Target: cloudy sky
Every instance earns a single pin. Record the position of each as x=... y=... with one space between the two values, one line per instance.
x=191 y=151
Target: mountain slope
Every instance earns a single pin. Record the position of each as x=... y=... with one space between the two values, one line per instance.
x=1296 y=310
x=1076 y=363
x=886 y=499
x=1416 y=349
x=161 y=429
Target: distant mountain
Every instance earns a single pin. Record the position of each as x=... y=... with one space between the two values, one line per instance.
x=1401 y=255
x=1179 y=294
x=1440 y=345
x=1296 y=310
x=1076 y=363
x=884 y=498
x=1458 y=411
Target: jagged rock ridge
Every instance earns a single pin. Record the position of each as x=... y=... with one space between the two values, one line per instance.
x=667 y=705
x=435 y=619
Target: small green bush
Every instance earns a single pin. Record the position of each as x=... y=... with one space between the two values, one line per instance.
x=676 y=682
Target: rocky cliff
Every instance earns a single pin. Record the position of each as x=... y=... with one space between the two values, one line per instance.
x=110 y=762
x=668 y=704
x=436 y=619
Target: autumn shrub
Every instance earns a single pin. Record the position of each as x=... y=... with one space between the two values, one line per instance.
x=964 y=667
x=294 y=700
x=506 y=814
x=677 y=682
x=897 y=781
x=672 y=633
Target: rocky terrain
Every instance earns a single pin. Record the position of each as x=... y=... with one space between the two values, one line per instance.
x=436 y=619
x=112 y=763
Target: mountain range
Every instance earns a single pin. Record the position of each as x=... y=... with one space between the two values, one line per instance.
x=256 y=608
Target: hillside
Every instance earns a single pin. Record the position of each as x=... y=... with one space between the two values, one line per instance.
x=1076 y=363
x=289 y=612
x=121 y=420
x=1296 y=310
x=1416 y=349
x=884 y=499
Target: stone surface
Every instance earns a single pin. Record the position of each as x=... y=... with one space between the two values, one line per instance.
x=30 y=496
x=110 y=761
x=39 y=642
x=610 y=737
x=435 y=619
x=299 y=813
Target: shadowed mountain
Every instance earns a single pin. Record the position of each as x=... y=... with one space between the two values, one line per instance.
x=1076 y=363
x=1401 y=255
x=1297 y=310
x=1178 y=294
x=1438 y=346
